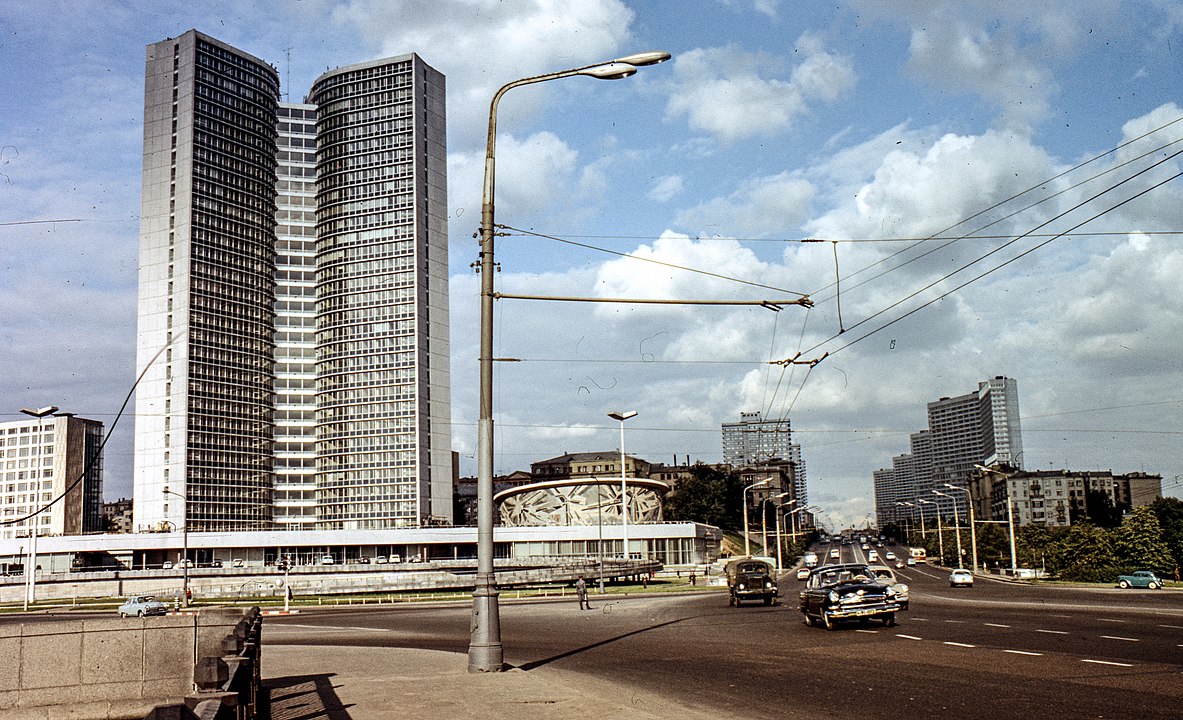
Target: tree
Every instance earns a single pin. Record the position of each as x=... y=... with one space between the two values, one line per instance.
x=709 y=496
x=1170 y=517
x=1086 y=554
x=1138 y=543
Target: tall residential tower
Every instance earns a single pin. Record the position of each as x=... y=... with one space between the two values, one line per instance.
x=293 y=311
x=207 y=263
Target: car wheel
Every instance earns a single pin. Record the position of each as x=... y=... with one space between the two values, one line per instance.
x=828 y=621
x=140 y=613
x=768 y=600
x=806 y=619
x=1153 y=586
x=122 y=615
x=1123 y=584
x=889 y=620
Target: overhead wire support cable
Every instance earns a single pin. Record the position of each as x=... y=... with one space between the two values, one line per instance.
x=1008 y=262
x=774 y=305
x=655 y=262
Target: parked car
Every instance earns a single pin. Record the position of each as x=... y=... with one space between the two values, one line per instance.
x=750 y=579
x=837 y=593
x=961 y=578
x=327 y=560
x=396 y=558
x=168 y=565
x=142 y=605
x=887 y=576
x=379 y=559
x=1139 y=579
x=238 y=562
x=803 y=574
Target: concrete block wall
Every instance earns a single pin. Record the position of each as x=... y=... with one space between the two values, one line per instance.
x=103 y=668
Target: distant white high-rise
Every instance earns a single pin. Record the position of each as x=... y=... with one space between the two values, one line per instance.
x=976 y=428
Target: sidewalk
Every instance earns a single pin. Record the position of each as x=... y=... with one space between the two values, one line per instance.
x=373 y=683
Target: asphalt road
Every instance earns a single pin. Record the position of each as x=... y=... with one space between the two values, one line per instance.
x=995 y=650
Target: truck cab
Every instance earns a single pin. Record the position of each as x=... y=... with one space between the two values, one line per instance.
x=750 y=579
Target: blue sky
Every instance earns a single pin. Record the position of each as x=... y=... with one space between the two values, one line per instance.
x=867 y=123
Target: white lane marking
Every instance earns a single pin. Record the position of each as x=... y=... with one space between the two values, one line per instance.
x=1108 y=662
x=996 y=625
x=1023 y=652
x=1053 y=632
x=1115 y=637
x=957 y=644
x=918 y=619
x=1109 y=620
x=872 y=632
x=908 y=637
x=1060 y=616
x=960 y=622
x=1172 y=627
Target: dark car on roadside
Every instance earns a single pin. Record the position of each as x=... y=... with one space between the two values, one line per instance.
x=838 y=593
x=750 y=579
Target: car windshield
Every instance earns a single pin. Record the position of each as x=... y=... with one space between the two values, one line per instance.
x=885 y=575
x=846 y=574
x=752 y=568
x=148 y=598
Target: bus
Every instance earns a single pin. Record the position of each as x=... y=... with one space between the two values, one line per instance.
x=918 y=554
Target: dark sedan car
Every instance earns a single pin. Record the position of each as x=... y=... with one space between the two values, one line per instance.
x=836 y=593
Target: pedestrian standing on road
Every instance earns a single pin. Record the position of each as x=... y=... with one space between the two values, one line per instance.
x=581 y=593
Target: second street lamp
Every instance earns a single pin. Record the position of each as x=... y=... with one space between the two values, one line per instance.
x=185 y=545
x=484 y=648
x=622 y=416
x=747 y=546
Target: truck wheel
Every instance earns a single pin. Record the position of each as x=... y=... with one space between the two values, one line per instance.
x=1122 y=584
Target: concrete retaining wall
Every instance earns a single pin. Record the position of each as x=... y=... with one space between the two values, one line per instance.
x=105 y=668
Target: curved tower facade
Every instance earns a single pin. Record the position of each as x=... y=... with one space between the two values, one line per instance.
x=207 y=262
x=383 y=438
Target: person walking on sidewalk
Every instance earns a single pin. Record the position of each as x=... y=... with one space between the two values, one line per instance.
x=581 y=594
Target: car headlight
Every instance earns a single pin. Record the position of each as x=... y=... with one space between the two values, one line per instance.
x=767 y=583
x=901 y=588
x=833 y=596
x=890 y=591
x=741 y=586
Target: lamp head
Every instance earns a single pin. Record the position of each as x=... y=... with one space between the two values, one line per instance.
x=610 y=71
x=40 y=412
x=642 y=59
x=622 y=416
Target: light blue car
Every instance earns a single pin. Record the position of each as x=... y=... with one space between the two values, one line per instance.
x=1140 y=579
x=141 y=605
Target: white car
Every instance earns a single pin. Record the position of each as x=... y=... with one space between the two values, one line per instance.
x=961 y=578
x=887 y=576
x=327 y=560
x=889 y=555
x=803 y=574
x=835 y=553
x=872 y=556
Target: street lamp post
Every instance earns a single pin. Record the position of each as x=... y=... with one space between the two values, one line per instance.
x=1010 y=516
x=185 y=545
x=907 y=528
x=622 y=416
x=31 y=566
x=747 y=547
x=923 y=525
x=777 y=519
x=973 y=532
x=484 y=649
x=940 y=535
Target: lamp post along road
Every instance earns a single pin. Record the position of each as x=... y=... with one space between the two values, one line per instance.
x=622 y=416
x=777 y=517
x=973 y=533
x=747 y=546
x=31 y=565
x=1010 y=517
x=940 y=536
x=185 y=546
x=484 y=649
